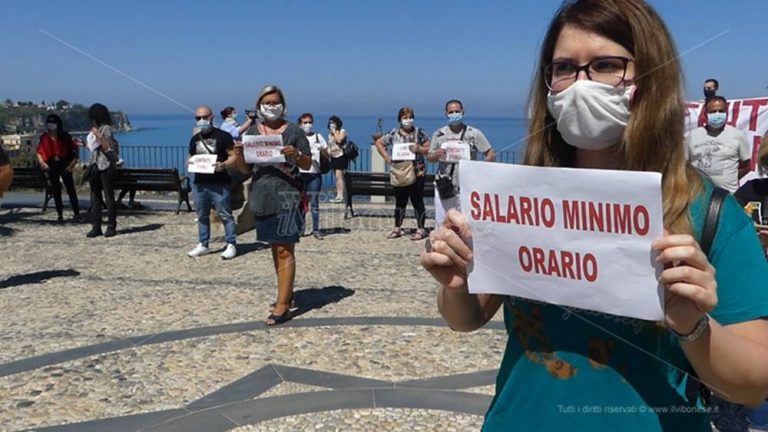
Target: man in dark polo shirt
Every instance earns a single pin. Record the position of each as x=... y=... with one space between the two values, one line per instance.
x=6 y=173
x=212 y=189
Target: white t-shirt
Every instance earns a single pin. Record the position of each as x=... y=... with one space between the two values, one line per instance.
x=316 y=143
x=719 y=156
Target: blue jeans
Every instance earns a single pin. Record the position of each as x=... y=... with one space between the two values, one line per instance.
x=758 y=417
x=207 y=194
x=312 y=184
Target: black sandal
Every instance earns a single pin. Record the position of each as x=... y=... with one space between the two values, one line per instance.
x=278 y=319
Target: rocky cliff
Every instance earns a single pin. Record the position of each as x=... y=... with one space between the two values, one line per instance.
x=32 y=119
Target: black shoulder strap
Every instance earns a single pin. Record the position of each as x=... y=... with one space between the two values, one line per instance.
x=713 y=217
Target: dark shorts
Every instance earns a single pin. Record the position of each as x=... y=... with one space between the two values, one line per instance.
x=281 y=227
x=340 y=163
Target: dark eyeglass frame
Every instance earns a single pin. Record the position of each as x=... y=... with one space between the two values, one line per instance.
x=198 y=118
x=548 y=70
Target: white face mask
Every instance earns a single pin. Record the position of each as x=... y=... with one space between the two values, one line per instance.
x=332 y=127
x=52 y=126
x=406 y=123
x=307 y=127
x=271 y=112
x=591 y=115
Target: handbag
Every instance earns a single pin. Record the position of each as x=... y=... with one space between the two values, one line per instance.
x=325 y=159
x=351 y=151
x=91 y=172
x=402 y=174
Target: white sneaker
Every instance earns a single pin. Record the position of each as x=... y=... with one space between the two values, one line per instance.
x=230 y=252
x=199 y=250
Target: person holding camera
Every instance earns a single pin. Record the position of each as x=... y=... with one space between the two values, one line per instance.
x=463 y=142
x=57 y=156
x=230 y=124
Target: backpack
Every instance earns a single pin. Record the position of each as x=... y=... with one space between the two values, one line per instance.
x=351 y=151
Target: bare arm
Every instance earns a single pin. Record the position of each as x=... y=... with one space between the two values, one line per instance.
x=382 y=149
x=744 y=168
x=447 y=263
x=6 y=176
x=730 y=360
x=490 y=155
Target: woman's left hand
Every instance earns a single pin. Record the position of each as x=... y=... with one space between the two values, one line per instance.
x=689 y=280
x=95 y=130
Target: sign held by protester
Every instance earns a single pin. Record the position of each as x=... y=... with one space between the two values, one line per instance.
x=455 y=151
x=402 y=152
x=263 y=149
x=202 y=164
x=571 y=237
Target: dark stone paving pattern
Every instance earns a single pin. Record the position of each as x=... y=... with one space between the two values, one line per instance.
x=234 y=405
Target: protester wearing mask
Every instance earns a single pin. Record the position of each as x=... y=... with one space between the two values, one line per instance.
x=230 y=124
x=406 y=176
x=57 y=156
x=456 y=133
x=312 y=178
x=711 y=86
x=277 y=198
x=720 y=151
x=104 y=155
x=213 y=189
x=608 y=94
x=337 y=138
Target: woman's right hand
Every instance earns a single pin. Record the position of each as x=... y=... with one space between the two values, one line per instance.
x=450 y=252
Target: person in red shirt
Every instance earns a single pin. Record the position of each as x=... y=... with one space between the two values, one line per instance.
x=57 y=156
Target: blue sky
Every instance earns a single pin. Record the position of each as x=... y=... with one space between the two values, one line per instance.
x=365 y=57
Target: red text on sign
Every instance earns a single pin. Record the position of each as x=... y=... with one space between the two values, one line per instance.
x=562 y=264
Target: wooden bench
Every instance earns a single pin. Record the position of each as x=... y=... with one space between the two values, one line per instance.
x=370 y=183
x=153 y=180
x=31 y=178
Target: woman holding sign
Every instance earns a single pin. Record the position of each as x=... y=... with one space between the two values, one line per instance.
x=275 y=149
x=608 y=95
x=407 y=169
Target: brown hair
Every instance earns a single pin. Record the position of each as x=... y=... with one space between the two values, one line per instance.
x=305 y=115
x=653 y=139
x=404 y=111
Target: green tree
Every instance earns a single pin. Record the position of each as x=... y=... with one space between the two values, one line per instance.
x=61 y=104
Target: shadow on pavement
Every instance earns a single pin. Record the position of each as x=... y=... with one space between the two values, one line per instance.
x=315 y=298
x=36 y=277
x=143 y=228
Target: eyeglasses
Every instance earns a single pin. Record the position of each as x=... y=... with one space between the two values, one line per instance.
x=205 y=117
x=610 y=70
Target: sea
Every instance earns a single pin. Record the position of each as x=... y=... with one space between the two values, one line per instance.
x=161 y=141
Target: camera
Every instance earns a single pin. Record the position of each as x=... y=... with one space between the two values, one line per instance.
x=444 y=186
x=251 y=114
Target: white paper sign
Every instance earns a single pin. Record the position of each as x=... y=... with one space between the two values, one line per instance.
x=455 y=151
x=401 y=152
x=91 y=142
x=203 y=164
x=571 y=237
x=263 y=149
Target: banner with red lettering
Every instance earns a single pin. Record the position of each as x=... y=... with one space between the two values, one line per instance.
x=749 y=115
x=571 y=237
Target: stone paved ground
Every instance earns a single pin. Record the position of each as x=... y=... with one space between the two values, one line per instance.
x=129 y=333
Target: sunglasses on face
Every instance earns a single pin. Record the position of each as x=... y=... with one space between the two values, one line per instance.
x=205 y=117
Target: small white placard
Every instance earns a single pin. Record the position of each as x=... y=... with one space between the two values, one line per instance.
x=263 y=149
x=571 y=237
x=402 y=152
x=91 y=141
x=455 y=151
x=202 y=164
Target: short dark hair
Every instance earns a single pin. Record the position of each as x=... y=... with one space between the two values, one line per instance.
x=712 y=80
x=311 y=117
x=336 y=120
x=226 y=112
x=99 y=115
x=454 y=101
x=715 y=98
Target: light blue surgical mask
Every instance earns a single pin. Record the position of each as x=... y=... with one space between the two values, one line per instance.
x=716 y=120
x=455 y=118
x=204 y=125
